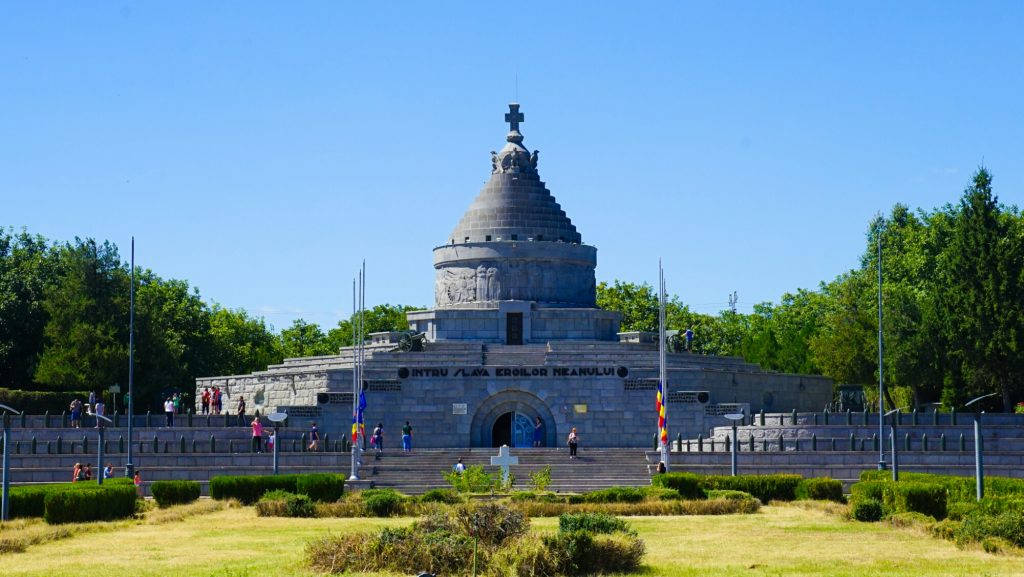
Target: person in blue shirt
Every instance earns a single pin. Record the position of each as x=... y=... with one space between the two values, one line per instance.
x=689 y=339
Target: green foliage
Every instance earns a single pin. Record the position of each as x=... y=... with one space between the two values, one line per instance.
x=473 y=480
x=447 y=496
x=822 y=489
x=779 y=487
x=30 y=500
x=591 y=522
x=541 y=480
x=492 y=523
x=100 y=504
x=167 y=493
x=523 y=557
x=978 y=526
x=866 y=509
x=688 y=485
x=39 y=402
x=249 y=488
x=926 y=498
x=279 y=503
x=382 y=502
x=584 y=553
x=615 y=495
x=729 y=495
x=323 y=487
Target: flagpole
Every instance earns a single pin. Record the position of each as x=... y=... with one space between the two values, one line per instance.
x=354 y=476
x=362 y=335
x=129 y=467
x=662 y=440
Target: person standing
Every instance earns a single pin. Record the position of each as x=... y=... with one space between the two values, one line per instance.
x=407 y=438
x=459 y=467
x=137 y=481
x=76 y=413
x=205 y=400
x=241 y=411
x=689 y=339
x=169 y=411
x=314 y=437
x=87 y=472
x=538 y=432
x=574 y=443
x=378 y=438
x=76 y=473
x=176 y=399
x=257 y=435
x=92 y=399
x=108 y=472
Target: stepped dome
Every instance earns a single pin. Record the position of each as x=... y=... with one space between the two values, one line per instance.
x=514 y=243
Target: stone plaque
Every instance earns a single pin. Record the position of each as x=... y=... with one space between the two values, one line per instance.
x=460 y=409
x=580 y=408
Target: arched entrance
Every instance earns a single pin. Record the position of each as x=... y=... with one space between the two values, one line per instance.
x=508 y=417
x=514 y=429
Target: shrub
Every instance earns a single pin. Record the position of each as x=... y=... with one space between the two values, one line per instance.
x=492 y=523
x=30 y=500
x=101 y=504
x=766 y=488
x=960 y=511
x=926 y=498
x=591 y=522
x=582 y=553
x=820 y=489
x=1008 y=525
x=688 y=485
x=910 y=519
x=960 y=489
x=869 y=490
x=541 y=480
x=322 y=487
x=996 y=545
x=249 y=488
x=447 y=496
x=729 y=495
x=615 y=495
x=167 y=493
x=660 y=493
x=400 y=550
x=38 y=402
x=675 y=507
x=523 y=557
x=381 y=502
x=542 y=497
x=473 y=480
x=279 y=503
x=866 y=509
x=945 y=529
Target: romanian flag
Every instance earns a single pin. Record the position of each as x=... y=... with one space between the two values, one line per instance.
x=358 y=427
x=660 y=408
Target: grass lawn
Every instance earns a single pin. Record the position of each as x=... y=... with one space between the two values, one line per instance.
x=780 y=540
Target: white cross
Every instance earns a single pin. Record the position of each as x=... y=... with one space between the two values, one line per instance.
x=504 y=459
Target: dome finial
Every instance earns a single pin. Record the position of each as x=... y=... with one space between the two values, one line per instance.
x=513 y=118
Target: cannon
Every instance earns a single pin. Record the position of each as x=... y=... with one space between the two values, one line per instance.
x=411 y=341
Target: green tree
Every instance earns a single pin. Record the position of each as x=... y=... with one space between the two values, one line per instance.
x=26 y=267
x=304 y=339
x=638 y=304
x=241 y=343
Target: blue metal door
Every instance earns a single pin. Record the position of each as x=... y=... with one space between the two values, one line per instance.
x=522 y=431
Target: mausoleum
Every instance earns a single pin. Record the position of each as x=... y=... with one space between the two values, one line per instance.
x=515 y=337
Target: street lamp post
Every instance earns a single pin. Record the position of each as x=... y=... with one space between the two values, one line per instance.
x=276 y=418
x=881 y=388
x=5 y=505
x=892 y=444
x=99 y=445
x=129 y=467
x=734 y=417
x=979 y=469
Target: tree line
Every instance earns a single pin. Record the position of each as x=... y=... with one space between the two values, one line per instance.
x=64 y=324
x=953 y=309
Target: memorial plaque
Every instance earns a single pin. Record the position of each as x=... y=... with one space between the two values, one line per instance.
x=460 y=408
x=580 y=408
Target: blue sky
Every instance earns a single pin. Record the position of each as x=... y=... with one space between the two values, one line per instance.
x=261 y=151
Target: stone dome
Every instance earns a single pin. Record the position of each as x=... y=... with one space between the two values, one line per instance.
x=514 y=243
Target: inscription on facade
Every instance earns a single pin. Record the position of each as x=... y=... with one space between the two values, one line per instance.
x=514 y=372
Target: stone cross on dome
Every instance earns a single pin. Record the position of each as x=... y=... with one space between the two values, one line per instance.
x=514 y=117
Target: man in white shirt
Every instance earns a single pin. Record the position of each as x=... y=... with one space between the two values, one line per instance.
x=169 y=411
x=459 y=468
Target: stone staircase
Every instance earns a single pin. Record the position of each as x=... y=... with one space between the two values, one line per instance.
x=514 y=355
x=595 y=468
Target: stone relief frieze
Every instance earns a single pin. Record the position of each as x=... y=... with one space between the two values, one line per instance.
x=490 y=281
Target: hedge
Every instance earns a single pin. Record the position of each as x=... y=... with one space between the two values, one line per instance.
x=30 y=500
x=249 y=488
x=169 y=493
x=102 y=504
x=904 y=496
x=821 y=489
x=959 y=489
x=38 y=402
x=687 y=484
x=324 y=487
x=780 y=487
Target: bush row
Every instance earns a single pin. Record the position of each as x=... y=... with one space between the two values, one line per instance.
x=779 y=487
x=30 y=500
x=167 y=493
x=323 y=487
x=102 y=504
x=959 y=489
x=902 y=497
x=38 y=402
